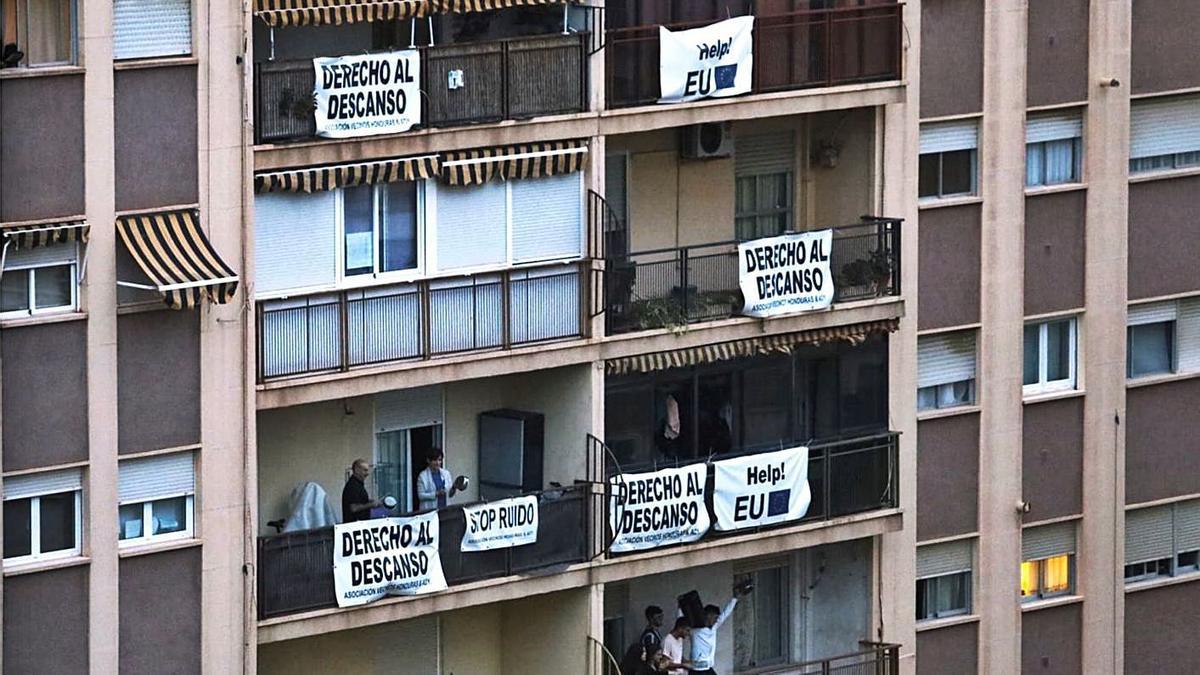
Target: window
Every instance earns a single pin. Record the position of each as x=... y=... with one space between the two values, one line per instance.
x=1048 y=561
x=156 y=498
x=42 y=516
x=1053 y=149
x=944 y=580
x=1164 y=134
x=1162 y=541
x=762 y=620
x=408 y=422
x=36 y=33
x=1049 y=356
x=1163 y=338
x=379 y=225
x=945 y=370
x=39 y=280
x=151 y=28
x=763 y=188
x=949 y=160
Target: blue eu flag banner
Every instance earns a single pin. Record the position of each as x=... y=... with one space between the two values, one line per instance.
x=777 y=502
x=726 y=76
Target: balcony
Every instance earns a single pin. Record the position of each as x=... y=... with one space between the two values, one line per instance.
x=295 y=570
x=335 y=332
x=798 y=50
x=674 y=287
x=510 y=79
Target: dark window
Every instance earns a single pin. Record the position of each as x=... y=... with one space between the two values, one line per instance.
x=58 y=522
x=18 y=540
x=947 y=174
x=942 y=596
x=1150 y=348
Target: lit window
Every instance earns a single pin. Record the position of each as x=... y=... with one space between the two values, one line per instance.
x=156 y=497
x=39 y=280
x=36 y=33
x=1049 y=363
x=42 y=516
x=1047 y=577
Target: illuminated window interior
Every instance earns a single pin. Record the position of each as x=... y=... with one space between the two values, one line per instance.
x=1029 y=579
x=1046 y=577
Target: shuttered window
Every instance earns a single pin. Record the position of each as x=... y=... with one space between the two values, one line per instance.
x=945 y=370
x=157 y=477
x=946 y=558
x=1148 y=534
x=547 y=218
x=765 y=153
x=472 y=225
x=1187 y=335
x=1053 y=149
x=151 y=28
x=763 y=190
x=408 y=408
x=949 y=136
x=1162 y=541
x=43 y=515
x=44 y=483
x=943 y=580
x=949 y=161
x=1163 y=337
x=1047 y=541
x=295 y=241
x=1164 y=133
x=1053 y=127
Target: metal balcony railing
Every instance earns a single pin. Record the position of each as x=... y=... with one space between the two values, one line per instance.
x=691 y=284
x=295 y=569
x=506 y=79
x=330 y=332
x=812 y=48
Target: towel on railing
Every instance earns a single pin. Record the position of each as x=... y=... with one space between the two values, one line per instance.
x=309 y=508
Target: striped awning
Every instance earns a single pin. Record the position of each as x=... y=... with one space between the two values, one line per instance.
x=317 y=12
x=178 y=259
x=533 y=160
x=759 y=346
x=464 y=6
x=348 y=175
x=30 y=235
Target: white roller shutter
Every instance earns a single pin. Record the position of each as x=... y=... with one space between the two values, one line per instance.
x=1187 y=526
x=151 y=28
x=45 y=483
x=946 y=358
x=159 y=477
x=40 y=255
x=1056 y=127
x=1187 y=335
x=949 y=136
x=765 y=154
x=295 y=241
x=1047 y=541
x=547 y=218
x=408 y=408
x=938 y=559
x=472 y=225
x=1151 y=312
x=1164 y=126
x=1148 y=534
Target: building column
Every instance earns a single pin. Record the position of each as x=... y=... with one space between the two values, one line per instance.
x=1001 y=337
x=1100 y=560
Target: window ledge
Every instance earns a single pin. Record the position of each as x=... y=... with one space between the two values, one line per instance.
x=1054 y=189
x=47 y=71
x=45 y=565
x=1151 y=380
x=1052 y=396
x=948 y=412
x=1160 y=583
x=1060 y=601
x=156 y=62
x=39 y=319
x=935 y=203
x=150 y=548
x=1164 y=174
x=934 y=624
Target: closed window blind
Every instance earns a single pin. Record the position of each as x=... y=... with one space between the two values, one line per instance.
x=765 y=154
x=947 y=558
x=547 y=218
x=151 y=28
x=949 y=136
x=1164 y=126
x=295 y=241
x=1153 y=312
x=45 y=483
x=1187 y=335
x=40 y=255
x=1187 y=526
x=1047 y=541
x=1148 y=534
x=407 y=408
x=159 y=477
x=1057 y=127
x=472 y=225
x=945 y=358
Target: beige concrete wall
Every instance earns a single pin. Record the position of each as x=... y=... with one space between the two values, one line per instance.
x=399 y=648
x=474 y=642
x=546 y=634
x=842 y=194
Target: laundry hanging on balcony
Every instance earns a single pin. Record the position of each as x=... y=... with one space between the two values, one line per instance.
x=533 y=160
x=337 y=12
x=759 y=346
x=32 y=235
x=176 y=257
x=321 y=178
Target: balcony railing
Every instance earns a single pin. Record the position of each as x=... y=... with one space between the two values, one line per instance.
x=812 y=48
x=295 y=570
x=504 y=79
x=876 y=659
x=332 y=332
x=691 y=284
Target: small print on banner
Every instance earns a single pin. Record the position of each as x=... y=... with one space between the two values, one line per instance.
x=763 y=489
x=367 y=95
x=786 y=274
x=648 y=510
x=502 y=524
x=386 y=556
x=713 y=61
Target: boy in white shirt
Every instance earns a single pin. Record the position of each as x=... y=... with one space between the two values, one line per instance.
x=672 y=647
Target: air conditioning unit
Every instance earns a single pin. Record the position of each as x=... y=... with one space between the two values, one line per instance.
x=707 y=141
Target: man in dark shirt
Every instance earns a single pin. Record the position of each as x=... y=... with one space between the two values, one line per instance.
x=356 y=503
x=651 y=639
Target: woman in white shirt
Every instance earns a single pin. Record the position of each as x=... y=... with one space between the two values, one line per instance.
x=435 y=486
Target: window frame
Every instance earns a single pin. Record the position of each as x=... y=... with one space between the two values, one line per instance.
x=1040 y=148
x=35 y=531
x=29 y=270
x=941 y=174
x=1040 y=591
x=1043 y=385
x=930 y=586
x=1172 y=354
x=788 y=211
x=378 y=213
x=1177 y=161
x=1174 y=567
x=23 y=29
x=785 y=569
x=147 y=537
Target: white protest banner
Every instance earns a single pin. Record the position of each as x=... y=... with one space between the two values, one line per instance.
x=386 y=556
x=648 y=510
x=713 y=61
x=762 y=489
x=785 y=274
x=369 y=94
x=501 y=524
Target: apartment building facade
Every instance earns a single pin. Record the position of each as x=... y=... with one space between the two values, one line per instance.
x=531 y=263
